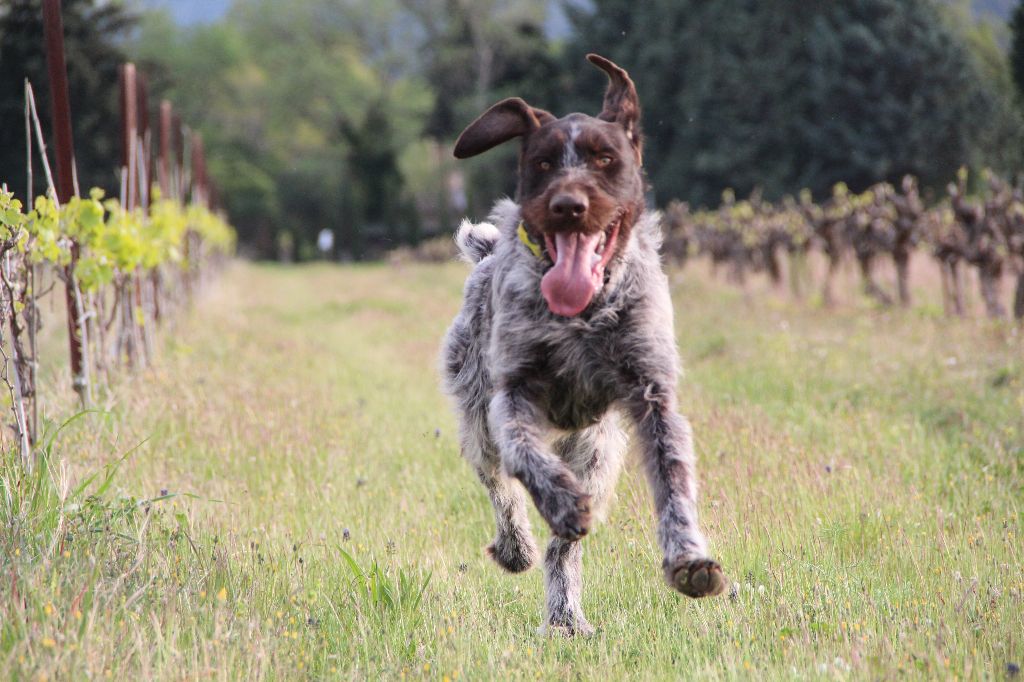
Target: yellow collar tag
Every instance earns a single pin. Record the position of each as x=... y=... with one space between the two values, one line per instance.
x=524 y=237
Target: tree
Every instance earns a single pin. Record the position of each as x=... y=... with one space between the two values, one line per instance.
x=305 y=107
x=1000 y=143
x=476 y=53
x=92 y=32
x=787 y=94
x=1017 y=47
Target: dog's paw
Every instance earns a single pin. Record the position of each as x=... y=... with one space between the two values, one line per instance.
x=696 y=578
x=567 y=511
x=514 y=552
x=579 y=628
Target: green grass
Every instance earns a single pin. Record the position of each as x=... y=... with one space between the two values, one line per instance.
x=282 y=497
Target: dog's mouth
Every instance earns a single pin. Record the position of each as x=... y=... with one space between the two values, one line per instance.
x=579 y=263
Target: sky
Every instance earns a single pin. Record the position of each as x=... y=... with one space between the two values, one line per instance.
x=188 y=12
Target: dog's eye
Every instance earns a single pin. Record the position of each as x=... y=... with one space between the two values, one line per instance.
x=604 y=161
x=544 y=165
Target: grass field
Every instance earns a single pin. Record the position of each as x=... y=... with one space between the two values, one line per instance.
x=861 y=472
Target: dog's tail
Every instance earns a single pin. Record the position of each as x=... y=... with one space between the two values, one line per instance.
x=476 y=240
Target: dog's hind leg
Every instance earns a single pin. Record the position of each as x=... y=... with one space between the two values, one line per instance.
x=595 y=456
x=513 y=548
x=563 y=589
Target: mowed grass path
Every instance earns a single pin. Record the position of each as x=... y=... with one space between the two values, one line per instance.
x=861 y=483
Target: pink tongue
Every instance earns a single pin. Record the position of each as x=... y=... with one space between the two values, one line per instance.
x=570 y=284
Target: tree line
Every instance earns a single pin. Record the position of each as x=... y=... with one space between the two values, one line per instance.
x=340 y=115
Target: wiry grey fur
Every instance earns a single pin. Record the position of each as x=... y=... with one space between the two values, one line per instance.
x=539 y=397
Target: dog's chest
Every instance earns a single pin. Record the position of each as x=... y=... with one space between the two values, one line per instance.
x=579 y=382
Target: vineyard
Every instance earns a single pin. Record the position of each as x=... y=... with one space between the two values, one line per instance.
x=984 y=232
x=217 y=468
x=125 y=263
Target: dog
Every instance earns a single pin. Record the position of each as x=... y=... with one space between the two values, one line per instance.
x=567 y=323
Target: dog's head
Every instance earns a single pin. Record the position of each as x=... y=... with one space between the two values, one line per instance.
x=581 y=183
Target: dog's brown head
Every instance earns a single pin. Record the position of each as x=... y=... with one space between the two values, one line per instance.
x=581 y=185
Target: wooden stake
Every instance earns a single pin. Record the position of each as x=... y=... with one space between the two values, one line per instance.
x=164 y=159
x=53 y=30
x=129 y=131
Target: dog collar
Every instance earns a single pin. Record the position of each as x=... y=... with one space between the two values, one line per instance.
x=525 y=238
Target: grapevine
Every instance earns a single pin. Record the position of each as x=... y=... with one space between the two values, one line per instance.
x=119 y=250
x=883 y=222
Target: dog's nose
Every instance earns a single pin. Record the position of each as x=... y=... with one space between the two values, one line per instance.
x=566 y=205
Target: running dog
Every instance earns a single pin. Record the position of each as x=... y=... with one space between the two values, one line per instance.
x=566 y=324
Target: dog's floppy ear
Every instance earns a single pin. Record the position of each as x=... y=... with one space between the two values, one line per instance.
x=621 y=103
x=508 y=118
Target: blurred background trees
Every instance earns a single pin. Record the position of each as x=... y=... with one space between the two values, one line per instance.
x=95 y=42
x=340 y=114
x=787 y=94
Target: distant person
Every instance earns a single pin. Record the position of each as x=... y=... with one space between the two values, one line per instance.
x=325 y=242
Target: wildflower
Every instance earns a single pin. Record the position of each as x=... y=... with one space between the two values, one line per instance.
x=222 y=596
x=48 y=642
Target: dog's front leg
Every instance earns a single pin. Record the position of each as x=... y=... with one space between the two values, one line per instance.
x=516 y=424
x=666 y=445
